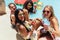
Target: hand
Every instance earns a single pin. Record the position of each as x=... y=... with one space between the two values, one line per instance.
x=46 y=27
x=34 y=11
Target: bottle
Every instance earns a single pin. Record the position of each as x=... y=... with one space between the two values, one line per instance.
x=35 y=6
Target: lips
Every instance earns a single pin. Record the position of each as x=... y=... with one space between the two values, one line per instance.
x=46 y=14
x=22 y=17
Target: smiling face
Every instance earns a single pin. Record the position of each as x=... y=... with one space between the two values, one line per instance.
x=12 y=7
x=21 y=15
x=29 y=5
x=46 y=12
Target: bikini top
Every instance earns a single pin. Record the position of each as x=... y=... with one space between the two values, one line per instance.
x=27 y=25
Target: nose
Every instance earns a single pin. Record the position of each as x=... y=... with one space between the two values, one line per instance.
x=22 y=15
x=45 y=12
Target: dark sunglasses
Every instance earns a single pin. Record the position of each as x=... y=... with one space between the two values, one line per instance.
x=46 y=11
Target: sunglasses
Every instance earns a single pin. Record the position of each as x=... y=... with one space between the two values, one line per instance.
x=46 y=11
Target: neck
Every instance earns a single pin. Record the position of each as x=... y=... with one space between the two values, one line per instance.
x=50 y=18
x=12 y=12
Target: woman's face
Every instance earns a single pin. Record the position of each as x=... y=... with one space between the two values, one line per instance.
x=12 y=7
x=29 y=5
x=46 y=12
x=21 y=15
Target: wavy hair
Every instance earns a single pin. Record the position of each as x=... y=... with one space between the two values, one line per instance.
x=16 y=16
x=51 y=10
x=26 y=3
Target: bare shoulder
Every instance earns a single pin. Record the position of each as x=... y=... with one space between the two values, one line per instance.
x=25 y=10
x=22 y=27
x=54 y=19
x=12 y=15
x=19 y=25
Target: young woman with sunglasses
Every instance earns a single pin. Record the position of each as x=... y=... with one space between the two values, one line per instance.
x=53 y=28
x=12 y=7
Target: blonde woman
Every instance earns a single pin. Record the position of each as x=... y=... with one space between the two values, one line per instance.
x=53 y=28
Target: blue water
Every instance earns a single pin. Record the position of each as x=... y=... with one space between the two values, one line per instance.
x=54 y=3
x=46 y=21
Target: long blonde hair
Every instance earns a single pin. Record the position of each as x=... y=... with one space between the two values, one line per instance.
x=51 y=9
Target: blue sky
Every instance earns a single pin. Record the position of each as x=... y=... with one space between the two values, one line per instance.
x=54 y=3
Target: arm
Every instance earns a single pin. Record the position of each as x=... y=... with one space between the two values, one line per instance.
x=12 y=18
x=55 y=26
x=26 y=14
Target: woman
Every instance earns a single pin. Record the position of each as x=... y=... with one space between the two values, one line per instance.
x=28 y=8
x=28 y=5
x=12 y=8
x=48 y=13
x=24 y=27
